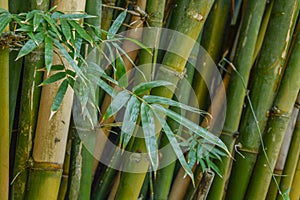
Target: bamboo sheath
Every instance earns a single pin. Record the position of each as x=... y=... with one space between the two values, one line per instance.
x=51 y=134
x=4 y=118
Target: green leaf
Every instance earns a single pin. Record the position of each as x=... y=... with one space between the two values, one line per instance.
x=71 y=81
x=107 y=88
x=30 y=45
x=48 y=53
x=175 y=145
x=83 y=33
x=66 y=30
x=96 y=70
x=138 y=43
x=120 y=72
x=129 y=122
x=71 y=73
x=36 y=21
x=166 y=101
x=52 y=25
x=69 y=59
x=59 y=96
x=116 y=25
x=75 y=16
x=204 y=133
x=55 y=77
x=118 y=102
x=145 y=87
x=57 y=67
x=4 y=21
x=148 y=125
x=213 y=166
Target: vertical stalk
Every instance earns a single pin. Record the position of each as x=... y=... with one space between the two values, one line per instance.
x=4 y=118
x=190 y=25
x=263 y=85
x=30 y=96
x=51 y=134
x=291 y=162
x=277 y=123
x=295 y=192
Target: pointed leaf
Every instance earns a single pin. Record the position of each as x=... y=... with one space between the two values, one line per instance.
x=71 y=73
x=48 y=53
x=36 y=21
x=30 y=45
x=129 y=121
x=175 y=145
x=4 y=21
x=148 y=125
x=144 y=87
x=66 y=30
x=55 y=77
x=59 y=96
x=166 y=101
x=52 y=24
x=83 y=33
x=57 y=67
x=118 y=102
x=76 y=16
x=116 y=25
x=204 y=133
x=120 y=72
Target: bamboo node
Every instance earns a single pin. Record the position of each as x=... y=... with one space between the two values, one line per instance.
x=197 y=16
x=181 y=75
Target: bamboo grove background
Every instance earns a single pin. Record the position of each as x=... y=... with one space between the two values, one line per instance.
x=256 y=44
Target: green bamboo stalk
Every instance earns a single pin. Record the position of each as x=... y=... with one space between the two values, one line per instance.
x=242 y=61
x=295 y=192
x=4 y=119
x=263 y=85
x=29 y=104
x=190 y=25
x=277 y=123
x=273 y=187
x=107 y=14
x=51 y=135
x=291 y=162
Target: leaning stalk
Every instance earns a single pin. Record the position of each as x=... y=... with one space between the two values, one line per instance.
x=277 y=124
x=291 y=162
x=4 y=118
x=190 y=25
x=263 y=88
x=295 y=192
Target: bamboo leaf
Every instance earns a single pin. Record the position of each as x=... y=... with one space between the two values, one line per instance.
x=147 y=86
x=107 y=88
x=48 y=53
x=96 y=70
x=71 y=73
x=66 y=30
x=52 y=25
x=69 y=59
x=192 y=126
x=59 y=96
x=30 y=45
x=175 y=145
x=4 y=21
x=57 y=67
x=120 y=72
x=81 y=31
x=163 y=100
x=55 y=77
x=138 y=43
x=36 y=21
x=118 y=102
x=130 y=119
x=148 y=125
x=116 y=25
x=76 y=16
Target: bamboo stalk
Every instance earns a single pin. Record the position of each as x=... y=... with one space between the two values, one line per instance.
x=278 y=122
x=295 y=192
x=4 y=118
x=51 y=135
x=107 y=14
x=242 y=61
x=291 y=162
x=263 y=85
x=190 y=25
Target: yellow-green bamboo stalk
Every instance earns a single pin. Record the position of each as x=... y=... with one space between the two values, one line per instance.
x=291 y=162
x=190 y=25
x=4 y=119
x=295 y=192
x=51 y=134
x=278 y=122
x=29 y=104
x=263 y=87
